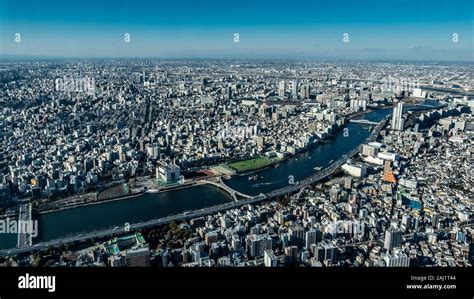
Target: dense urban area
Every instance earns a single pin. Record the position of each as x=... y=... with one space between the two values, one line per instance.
x=80 y=132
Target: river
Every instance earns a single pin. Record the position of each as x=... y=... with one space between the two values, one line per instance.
x=149 y=206
x=303 y=165
x=145 y=207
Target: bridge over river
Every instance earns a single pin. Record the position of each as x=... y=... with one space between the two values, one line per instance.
x=364 y=122
x=112 y=231
x=220 y=184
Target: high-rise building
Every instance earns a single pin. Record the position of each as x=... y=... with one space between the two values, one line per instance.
x=167 y=171
x=419 y=93
x=304 y=92
x=257 y=244
x=330 y=251
x=312 y=236
x=281 y=89
x=368 y=150
x=334 y=193
x=211 y=237
x=393 y=238
x=296 y=234
x=269 y=258
x=143 y=78
x=348 y=182
x=275 y=116
x=435 y=219
x=195 y=252
x=165 y=258
x=294 y=90
x=153 y=150
x=318 y=252
x=406 y=221
x=355 y=170
x=138 y=257
x=236 y=243
x=291 y=253
x=397 y=117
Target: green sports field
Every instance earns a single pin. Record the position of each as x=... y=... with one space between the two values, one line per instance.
x=251 y=164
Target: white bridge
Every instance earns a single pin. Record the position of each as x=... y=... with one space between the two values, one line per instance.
x=364 y=122
x=220 y=184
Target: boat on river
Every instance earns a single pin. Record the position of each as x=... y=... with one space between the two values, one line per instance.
x=255 y=177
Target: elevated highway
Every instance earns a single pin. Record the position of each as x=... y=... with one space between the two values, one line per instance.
x=118 y=230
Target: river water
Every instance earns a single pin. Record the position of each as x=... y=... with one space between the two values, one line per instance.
x=302 y=166
x=145 y=207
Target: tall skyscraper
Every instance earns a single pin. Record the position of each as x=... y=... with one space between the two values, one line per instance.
x=304 y=92
x=294 y=90
x=393 y=238
x=143 y=78
x=281 y=88
x=397 y=117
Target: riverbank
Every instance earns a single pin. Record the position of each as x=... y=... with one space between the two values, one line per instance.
x=158 y=205
x=308 y=148
x=271 y=163
x=70 y=222
x=86 y=200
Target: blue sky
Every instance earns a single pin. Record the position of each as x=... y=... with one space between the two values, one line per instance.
x=293 y=29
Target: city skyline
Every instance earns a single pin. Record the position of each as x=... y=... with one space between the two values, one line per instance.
x=278 y=30
x=209 y=141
